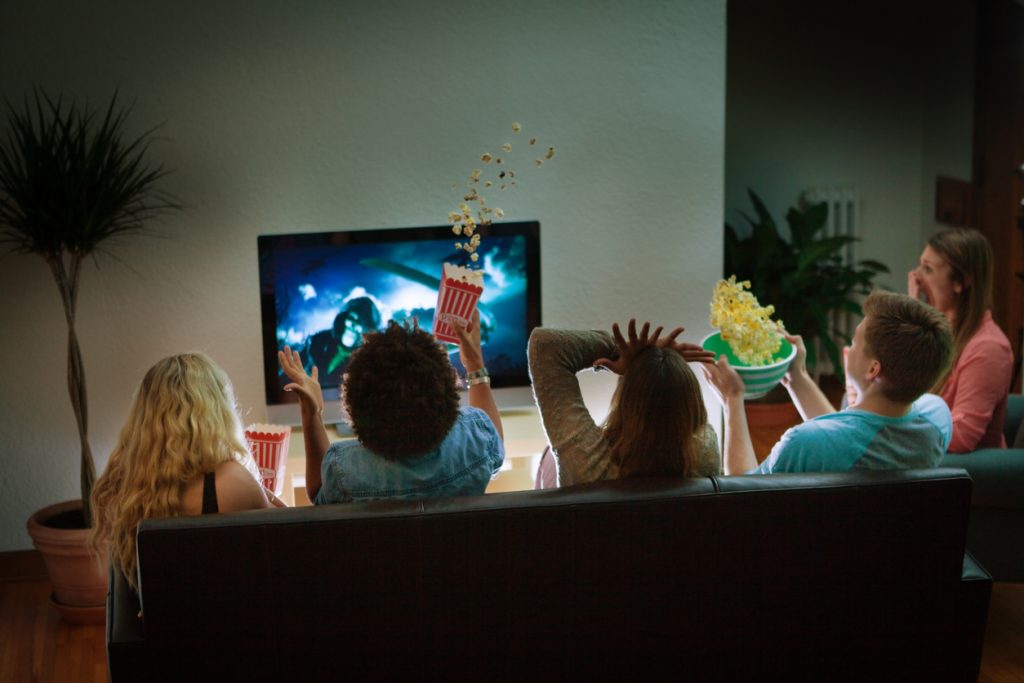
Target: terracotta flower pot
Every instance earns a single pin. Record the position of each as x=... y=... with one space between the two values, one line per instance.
x=78 y=576
x=767 y=423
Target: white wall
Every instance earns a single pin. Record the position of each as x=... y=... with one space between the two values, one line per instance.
x=873 y=95
x=319 y=115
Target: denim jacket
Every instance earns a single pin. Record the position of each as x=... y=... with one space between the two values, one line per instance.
x=462 y=465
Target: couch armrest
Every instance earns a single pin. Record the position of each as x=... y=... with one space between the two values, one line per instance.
x=972 y=616
x=997 y=473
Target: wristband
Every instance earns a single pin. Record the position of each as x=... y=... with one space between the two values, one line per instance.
x=477 y=377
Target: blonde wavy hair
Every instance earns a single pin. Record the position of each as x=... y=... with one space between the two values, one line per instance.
x=183 y=423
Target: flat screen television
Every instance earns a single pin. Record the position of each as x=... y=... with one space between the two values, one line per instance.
x=320 y=292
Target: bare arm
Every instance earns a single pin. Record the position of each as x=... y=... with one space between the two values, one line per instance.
x=237 y=490
x=311 y=407
x=727 y=385
x=805 y=394
x=314 y=437
x=480 y=394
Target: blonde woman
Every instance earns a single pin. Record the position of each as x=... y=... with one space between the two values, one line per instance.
x=181 y=452
x=657 y=424
x=954 y=275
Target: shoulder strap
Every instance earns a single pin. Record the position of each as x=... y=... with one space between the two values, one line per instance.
x=209 y=494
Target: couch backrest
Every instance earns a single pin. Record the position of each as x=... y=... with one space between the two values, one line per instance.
x=618 y=578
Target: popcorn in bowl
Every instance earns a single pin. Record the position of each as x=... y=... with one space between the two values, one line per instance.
x=748 y=337
x=744 y=323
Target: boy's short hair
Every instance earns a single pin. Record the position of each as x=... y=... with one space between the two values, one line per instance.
x=400 y=392
x=912 y=341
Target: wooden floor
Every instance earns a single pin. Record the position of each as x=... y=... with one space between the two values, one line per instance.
x=36 y=646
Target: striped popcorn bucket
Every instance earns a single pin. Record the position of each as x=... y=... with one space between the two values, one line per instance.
x=758 y=380
x=456 y=298
x=269 y=447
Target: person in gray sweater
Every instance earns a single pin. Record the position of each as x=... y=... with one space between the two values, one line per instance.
x=657 y=424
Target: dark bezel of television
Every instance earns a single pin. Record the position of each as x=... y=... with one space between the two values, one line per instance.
x=269 y=245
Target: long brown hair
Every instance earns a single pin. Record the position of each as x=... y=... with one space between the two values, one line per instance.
x=657 y=417
x=969 y=256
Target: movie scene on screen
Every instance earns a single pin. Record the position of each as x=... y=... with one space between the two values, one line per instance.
x=328 y=290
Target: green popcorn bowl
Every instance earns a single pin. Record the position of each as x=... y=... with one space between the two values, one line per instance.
x=758 y=379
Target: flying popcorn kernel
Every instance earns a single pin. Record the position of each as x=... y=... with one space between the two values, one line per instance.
x=469 y=217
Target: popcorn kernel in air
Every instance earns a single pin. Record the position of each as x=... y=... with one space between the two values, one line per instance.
x=486 y=157
x=507 y=147
x=516 y=127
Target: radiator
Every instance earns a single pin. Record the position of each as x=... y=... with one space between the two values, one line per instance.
x=843 y=219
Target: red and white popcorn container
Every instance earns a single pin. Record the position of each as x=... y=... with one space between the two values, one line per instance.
x=457 y=297
x=269 y=447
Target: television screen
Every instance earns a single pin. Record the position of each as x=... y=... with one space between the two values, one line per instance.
x=321 y=292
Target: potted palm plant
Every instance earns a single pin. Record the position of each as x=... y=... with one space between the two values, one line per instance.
x=807 y=280
x=804 y=277
x=71 y=182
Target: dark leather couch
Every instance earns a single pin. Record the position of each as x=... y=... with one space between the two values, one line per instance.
x=995 y=535
x=813 y=577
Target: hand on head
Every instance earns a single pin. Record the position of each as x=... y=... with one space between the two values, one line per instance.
x=307 y=387
x=629 y=348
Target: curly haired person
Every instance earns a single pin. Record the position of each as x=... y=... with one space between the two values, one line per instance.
x=412 y=438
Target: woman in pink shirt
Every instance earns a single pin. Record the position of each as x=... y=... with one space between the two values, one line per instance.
x=955 y=276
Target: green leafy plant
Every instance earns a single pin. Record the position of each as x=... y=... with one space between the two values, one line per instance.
x=805 y=277
x=70 y=183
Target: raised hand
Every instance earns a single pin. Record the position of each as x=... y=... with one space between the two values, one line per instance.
x=307 y=387
x=913 y=284
x=470 y=350
x=723 y=379
x=799 y=364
